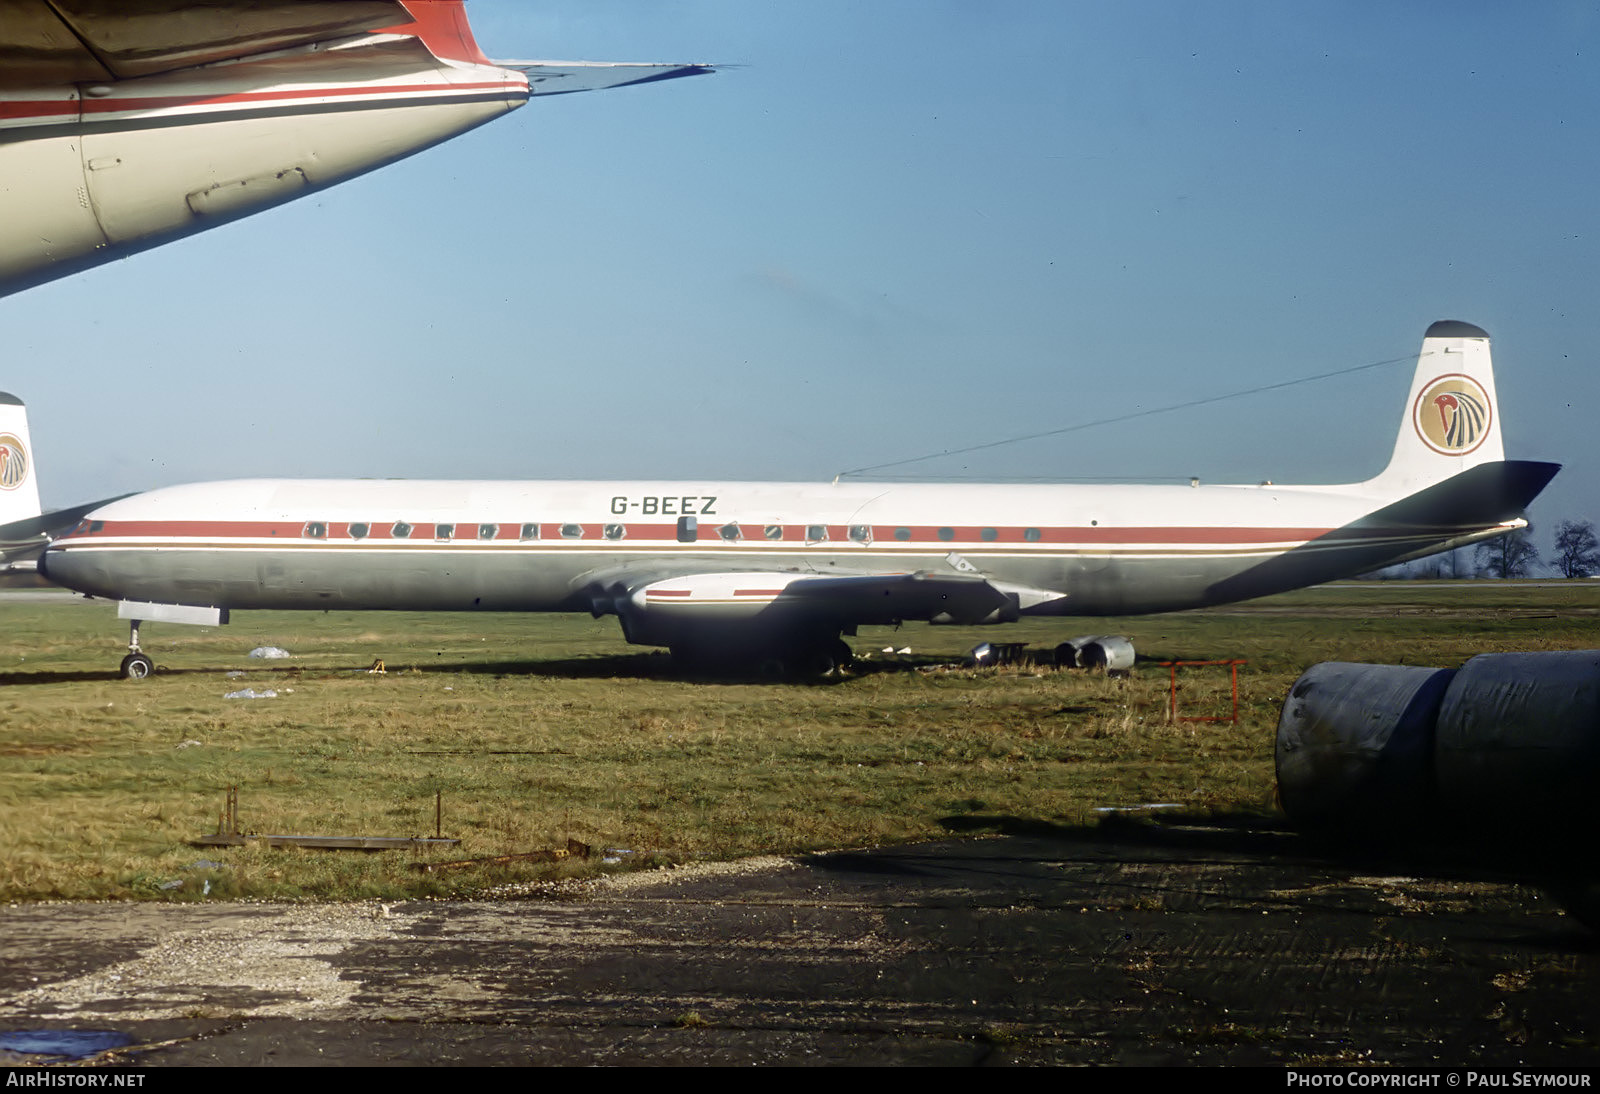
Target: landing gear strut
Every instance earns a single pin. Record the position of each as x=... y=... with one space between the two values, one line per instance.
x=136 y=666
x=811 y=662
x=802 y=660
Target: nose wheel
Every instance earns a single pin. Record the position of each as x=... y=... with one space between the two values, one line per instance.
x=136 y=666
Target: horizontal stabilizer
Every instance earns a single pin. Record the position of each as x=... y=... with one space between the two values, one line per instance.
x=1484 y=495
x=566 y=77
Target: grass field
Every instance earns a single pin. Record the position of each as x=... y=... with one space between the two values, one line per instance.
x=537 y=729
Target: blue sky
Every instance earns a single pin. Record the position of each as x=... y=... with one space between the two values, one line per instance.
x=894 y=228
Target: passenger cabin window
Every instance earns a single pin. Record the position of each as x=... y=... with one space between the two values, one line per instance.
x=614 y=531
x=861 y=533
x=1031 y=535
x=488 y=531
x=947 y=534
x=529 y=531
x=902 y=534
x=688 y=529
x=444 y=531
x=572 y=531
x=359 y=530
x=730 y=532
x=315 y=529
x=988 y=535
x=401 y=530
x=773 y=531
x=816 y=533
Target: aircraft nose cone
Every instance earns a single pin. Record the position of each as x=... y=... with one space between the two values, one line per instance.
x=59 y=567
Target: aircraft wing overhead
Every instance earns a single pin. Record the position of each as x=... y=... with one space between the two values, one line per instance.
x=22 y=541
x=886 y=598
x=45 y=41
x=663 y=605
x=47 y=524
x=566 y=77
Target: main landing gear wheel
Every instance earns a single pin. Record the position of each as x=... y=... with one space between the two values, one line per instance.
x=812 y=662
x=843 y=655
x=136 y=666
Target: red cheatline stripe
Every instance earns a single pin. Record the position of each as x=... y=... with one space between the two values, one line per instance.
x=168 y=102
x=23 y=111
x=424 y=545
x=922 y=536
x=10 y=110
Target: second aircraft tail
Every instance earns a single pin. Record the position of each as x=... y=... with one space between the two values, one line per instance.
x=1452 y=416
x=19 y=489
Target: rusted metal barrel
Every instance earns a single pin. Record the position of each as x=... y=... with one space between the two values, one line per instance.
x=1519 y=740
x=1355 y=744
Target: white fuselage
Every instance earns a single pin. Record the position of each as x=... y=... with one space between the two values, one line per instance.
x=548 y=546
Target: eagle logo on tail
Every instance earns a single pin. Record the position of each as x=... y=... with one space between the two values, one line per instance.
x=1452 y=415
x=13 y=462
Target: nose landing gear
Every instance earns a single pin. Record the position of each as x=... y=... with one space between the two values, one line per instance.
x=136 y=666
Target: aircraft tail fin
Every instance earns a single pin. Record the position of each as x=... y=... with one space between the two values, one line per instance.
x=1452 y=416
x=442 y=26
x=19 y=489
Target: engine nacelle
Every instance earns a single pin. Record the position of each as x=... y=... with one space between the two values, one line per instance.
x=725 y=611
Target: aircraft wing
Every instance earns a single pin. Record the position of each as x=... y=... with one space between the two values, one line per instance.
x=46 y=42
x=67 y=41
x=21 y=541
x=566 y=77
x=732 y=607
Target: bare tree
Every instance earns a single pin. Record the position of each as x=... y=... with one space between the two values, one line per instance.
x=1577 y=549
x=1507 y=556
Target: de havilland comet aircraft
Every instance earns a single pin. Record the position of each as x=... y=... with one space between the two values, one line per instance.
x=777 y=571
x=125 y=124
